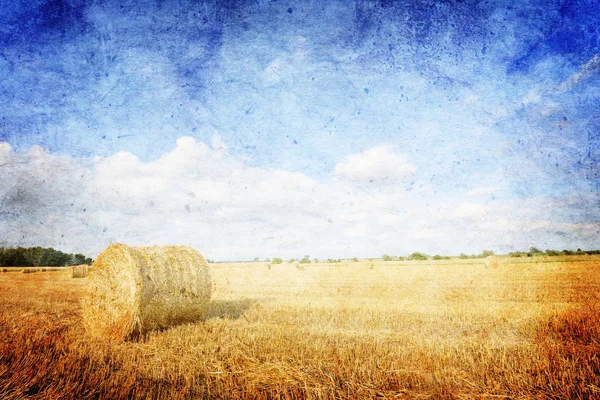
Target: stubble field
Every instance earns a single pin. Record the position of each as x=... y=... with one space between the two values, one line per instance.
x=415 y=329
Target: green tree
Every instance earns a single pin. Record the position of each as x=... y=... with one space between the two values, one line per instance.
x=78 y=259
x=417 y=256
x=534 y=251
x=14 y=257
x=386 y=257
x=305 y=260
x=34 y=255
x=277 y=260
x=487 y=253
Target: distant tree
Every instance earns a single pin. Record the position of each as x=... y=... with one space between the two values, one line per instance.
x=386 y=257
x=256 y=259
x=401 y=258
x=277 y=260
x=463 y=256
x=267 y=260
x=14 y=257
x=550 y=252
x=305 y=260
x=417 y=256
x=78 y=259
x=534 y=251
x=34 y=255
x=566 y=253
x=487 y=253
x=355 y=259
x=89 y=261
x=55 y=258
x=291 y=260
x=315 y=260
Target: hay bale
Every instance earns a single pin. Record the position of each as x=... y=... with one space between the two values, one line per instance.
x=491 y=262
x=4 y=269
x=26 y=271
x=79 y=271
x=134 y=290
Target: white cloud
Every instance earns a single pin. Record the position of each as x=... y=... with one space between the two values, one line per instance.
x=378 y=165
x=481 y=191
x=468 y=210
x=199 y=195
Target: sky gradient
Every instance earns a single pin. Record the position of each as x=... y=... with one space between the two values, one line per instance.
x=274 y=128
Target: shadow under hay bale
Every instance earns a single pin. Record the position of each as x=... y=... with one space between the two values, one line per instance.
x=79 y=271
x=233 y=309
x=135 y=290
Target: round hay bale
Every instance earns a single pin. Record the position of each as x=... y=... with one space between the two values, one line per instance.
x=26 y=271
x=79 y=271
x=491 y=262
x=134 y=290
x=4 y=269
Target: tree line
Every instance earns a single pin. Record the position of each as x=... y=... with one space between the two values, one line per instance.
x=535 y=252
x=39 y=257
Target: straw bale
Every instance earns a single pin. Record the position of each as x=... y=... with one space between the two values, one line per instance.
x=134 y=290
x=491 y=262
x=79 y=271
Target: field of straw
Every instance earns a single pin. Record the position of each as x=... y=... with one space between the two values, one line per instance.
x=527 y=328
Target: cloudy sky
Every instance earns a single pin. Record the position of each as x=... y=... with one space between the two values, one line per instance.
x=283 y=128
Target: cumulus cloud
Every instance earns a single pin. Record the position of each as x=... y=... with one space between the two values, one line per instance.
x=376 y=166
x=198 y=194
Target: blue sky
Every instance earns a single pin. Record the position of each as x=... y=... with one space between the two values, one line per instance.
x=256 y=128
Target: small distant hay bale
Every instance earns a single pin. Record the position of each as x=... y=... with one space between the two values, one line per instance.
x=79 y=271
x=26 y=271
x=4 y=269
x=492 y=262
x=134 y=290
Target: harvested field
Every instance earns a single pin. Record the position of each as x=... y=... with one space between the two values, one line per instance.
x=443 y=329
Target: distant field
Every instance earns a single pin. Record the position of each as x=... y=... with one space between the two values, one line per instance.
x=371 y=329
